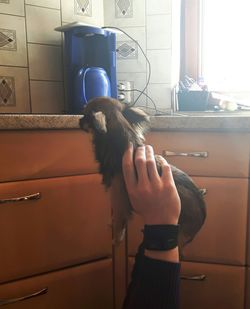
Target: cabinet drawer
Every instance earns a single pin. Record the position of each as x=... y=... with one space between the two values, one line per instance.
x=88 y=286
x=43 y=154
x=222 y=239
x=248 y=289
x=228 y=153
x=223 y=286
x=69 y=224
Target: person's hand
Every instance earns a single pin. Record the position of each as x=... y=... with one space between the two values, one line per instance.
x=153 y=197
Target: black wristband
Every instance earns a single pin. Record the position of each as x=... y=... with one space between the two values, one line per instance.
x=160 y=237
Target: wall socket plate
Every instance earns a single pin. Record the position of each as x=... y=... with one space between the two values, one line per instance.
x=124 y=93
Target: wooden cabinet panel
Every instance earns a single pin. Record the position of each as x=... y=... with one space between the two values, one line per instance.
x=88 y=286
x=248 y=289
x=135 y=235
x=69 y=224
x=228 y=153
x=42 y=154
x=222 y=239
x=222 y=288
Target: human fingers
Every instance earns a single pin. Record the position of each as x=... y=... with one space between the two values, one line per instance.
x=140 y=164
x=128 y=168
x=151 y=164
x=167 y=176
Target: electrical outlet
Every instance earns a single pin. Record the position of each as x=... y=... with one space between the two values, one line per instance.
x=124 y=91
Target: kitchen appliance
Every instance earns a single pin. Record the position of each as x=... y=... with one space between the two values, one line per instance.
x=90 y=64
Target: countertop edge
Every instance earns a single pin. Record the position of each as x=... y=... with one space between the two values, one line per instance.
x=161 y=123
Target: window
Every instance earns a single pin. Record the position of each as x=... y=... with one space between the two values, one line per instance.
x=217 y=45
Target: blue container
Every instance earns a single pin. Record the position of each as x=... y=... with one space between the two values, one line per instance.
x=90 y=64
x=91 y=83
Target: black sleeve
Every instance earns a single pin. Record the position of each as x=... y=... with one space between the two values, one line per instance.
x=154 y=284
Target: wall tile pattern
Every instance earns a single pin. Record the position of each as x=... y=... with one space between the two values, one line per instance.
x=123 y=8
x=126 y=50
x=87 y=11
x=14 y=90
x=7 y=93
x=7 y=39
x=31 y=52
x=83 y=7
x=150 y=24
x=13 y=49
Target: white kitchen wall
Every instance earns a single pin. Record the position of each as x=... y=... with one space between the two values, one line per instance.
x=155 y=25
x=31 y=59
x=31 y=65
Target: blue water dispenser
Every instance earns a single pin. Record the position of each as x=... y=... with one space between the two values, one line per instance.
x=90 y=64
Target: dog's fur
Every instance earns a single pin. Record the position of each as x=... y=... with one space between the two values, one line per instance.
x=114 y=125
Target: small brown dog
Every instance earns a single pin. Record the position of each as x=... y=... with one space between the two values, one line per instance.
x=114 y=125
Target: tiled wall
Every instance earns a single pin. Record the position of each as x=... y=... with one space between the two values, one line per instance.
x=155 y=25
x=31 y=70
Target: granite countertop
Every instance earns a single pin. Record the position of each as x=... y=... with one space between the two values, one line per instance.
x=195 y=121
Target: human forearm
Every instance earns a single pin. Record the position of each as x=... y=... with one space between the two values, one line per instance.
x=154 y=284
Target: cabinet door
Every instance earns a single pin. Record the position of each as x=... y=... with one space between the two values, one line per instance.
x=88 y=286
x=248 y=289
x=227 y=153
x=222 y=239
x=42 y=154
x=209 y=286
x=222 y=288
x=67 y=225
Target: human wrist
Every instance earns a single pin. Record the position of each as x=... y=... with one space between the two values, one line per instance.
x=155 y=220
x=160 y=237
x=171 y=256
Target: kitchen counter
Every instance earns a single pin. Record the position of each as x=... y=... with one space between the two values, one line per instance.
x=198 y=121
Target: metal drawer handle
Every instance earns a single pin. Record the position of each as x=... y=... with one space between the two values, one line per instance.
x=203 y=191
x=15 y=300
x=35 y=196
x=197 y=154
x=194 y=277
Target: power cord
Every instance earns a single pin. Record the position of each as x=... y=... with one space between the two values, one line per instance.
x=152 y=101
x=149 y=65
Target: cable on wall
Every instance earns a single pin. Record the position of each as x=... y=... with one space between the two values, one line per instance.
x=148 y=62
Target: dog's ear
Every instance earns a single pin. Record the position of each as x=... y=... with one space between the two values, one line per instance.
x=99 y=122
x=135 y=116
